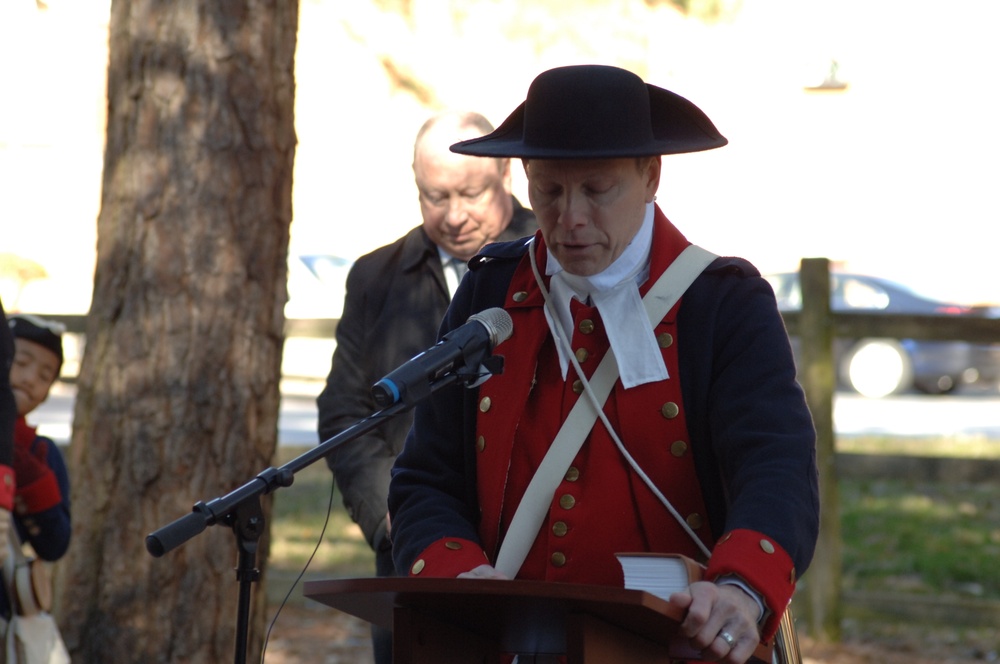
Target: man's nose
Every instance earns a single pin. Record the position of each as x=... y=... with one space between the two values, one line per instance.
x=458 y=211
x=572 y=210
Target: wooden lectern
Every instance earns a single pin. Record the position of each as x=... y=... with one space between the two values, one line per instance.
x=459 y=621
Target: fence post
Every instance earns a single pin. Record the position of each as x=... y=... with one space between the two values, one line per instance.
x=818 y=378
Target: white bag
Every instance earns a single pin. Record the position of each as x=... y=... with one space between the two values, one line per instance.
x=36 y=640
x=32 y=636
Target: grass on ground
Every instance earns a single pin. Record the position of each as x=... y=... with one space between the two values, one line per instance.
x=929 y=539
x=300 y=513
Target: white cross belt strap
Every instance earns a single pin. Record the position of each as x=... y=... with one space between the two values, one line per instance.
x=538 y=496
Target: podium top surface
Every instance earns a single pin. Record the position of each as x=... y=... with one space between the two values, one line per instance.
x=520 y=614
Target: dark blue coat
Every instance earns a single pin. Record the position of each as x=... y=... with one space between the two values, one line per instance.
x=751 y=432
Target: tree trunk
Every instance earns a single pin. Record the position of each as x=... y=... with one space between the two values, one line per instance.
x=178 y=393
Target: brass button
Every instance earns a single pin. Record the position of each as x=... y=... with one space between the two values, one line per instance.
x=677 y=448
x=664 y=340
x=520 y=296
x=481 y=443
x=418 y=567
x=582 y=354
x=669 y=410
x=694 y=520
x=559 y=528
x=792 y=576
x=558 y=559
x=586 y=326
x=578 y=386
x=567 y=501
x=766 y=546
x=453 y=545
x=573 y=474
x=484 y=404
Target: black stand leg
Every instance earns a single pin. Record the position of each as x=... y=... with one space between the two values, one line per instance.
x=248 y=524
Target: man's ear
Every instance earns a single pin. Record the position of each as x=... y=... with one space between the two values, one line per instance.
x=652 y=176
x=505 y=175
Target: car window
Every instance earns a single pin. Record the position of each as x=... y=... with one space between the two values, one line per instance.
x=852 y=293
x=786 y=290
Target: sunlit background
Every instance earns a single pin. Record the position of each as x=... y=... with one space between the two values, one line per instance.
x=861 y=131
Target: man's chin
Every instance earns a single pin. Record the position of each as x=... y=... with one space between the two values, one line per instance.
x=580 y=263
x=463 y=250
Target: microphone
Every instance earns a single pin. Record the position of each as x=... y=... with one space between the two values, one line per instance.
x=461 y=351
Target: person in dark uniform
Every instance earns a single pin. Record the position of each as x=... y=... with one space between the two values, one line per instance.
x=42 y=492
x=704 y=445
x=396 y=297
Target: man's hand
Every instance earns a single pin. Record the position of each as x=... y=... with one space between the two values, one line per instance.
x=482 y=572
x=715 y=612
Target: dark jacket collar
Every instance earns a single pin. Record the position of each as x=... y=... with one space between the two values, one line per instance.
x=418 y=249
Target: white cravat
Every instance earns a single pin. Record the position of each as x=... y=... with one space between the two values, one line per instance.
x=615 y=293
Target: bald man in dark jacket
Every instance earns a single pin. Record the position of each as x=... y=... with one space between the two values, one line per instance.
x=396 y=297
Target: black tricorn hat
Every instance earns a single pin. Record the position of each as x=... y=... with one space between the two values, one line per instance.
x=597 y=112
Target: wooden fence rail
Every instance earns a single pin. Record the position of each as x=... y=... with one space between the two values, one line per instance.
x=310 y=328
x=817 y=325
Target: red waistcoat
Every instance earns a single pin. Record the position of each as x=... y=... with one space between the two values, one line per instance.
x=601 y=506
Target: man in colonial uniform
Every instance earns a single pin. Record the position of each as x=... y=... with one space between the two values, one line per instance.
x=704 y=447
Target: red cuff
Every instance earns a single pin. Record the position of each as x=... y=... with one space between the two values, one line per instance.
x=40 y=495
x=763 y=565
x=7 y=486
x=449 y=557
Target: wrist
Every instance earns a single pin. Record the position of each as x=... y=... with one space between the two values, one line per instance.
x=757 y=598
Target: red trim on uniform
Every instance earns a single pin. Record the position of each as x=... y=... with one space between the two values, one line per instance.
x=763 y=564
x=40 y=495
x=448 y=557
x=7 y=487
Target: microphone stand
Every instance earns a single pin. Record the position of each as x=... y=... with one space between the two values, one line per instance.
x=240 y=509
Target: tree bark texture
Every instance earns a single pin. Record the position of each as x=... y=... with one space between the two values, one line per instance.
x=178 y=393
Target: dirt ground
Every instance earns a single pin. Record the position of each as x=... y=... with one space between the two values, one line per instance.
x=320 y=635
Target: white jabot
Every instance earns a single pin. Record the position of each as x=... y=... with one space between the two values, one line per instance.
x=615 y=293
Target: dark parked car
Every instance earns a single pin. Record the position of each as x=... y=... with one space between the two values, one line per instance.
x=880 y=367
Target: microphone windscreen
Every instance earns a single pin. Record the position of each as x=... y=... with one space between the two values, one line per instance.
x=497 y=322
